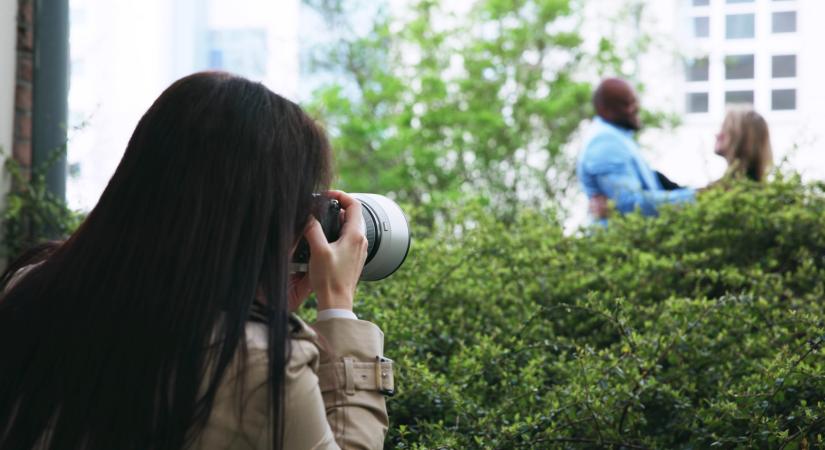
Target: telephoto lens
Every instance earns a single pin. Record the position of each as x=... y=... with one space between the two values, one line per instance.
x=386 y=229
x=388 y=234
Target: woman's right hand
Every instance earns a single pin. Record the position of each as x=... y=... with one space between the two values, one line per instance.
x=335 y=267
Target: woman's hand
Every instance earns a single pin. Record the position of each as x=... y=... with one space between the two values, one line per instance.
x=335 y=267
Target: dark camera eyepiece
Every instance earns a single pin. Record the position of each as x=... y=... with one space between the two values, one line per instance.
x=386 y=229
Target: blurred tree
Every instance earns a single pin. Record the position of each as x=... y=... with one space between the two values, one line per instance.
x=434 y=102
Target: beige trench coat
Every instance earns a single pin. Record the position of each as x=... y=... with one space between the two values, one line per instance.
x=335 y=383
x=336 y=379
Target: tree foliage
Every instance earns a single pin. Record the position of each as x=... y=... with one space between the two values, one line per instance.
x=702 y=328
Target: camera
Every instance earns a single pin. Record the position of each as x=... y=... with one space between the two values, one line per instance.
x=387 y=232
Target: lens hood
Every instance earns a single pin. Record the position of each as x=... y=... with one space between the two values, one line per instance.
x=388 y=234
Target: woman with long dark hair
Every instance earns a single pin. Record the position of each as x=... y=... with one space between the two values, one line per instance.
x=164 y=321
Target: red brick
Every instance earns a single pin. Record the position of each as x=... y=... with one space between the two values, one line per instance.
x=23 y=97
x=25 y=68
x=25 y=38
x=25 y=25
x=23 y=152
x=25 y=11
x=23 y=126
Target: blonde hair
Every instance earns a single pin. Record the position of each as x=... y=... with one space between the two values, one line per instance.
x=749 y=152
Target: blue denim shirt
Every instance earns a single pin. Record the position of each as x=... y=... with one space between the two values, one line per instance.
x=610 y=164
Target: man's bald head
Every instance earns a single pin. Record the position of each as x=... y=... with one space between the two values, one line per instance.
x=615 y=101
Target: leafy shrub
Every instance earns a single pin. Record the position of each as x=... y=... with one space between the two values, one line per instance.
x=700 y=328
x=33 y=214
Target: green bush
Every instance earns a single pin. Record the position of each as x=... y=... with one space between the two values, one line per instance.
x=32 y=214
x=701 y=328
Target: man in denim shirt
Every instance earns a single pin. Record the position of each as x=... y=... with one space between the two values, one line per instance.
x=611 y=166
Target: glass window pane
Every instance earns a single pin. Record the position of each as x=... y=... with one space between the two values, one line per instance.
x=701 y=27
x=697 y=102
x=697 y=70
x=701 y=2
x=783 y=99
x=783 y=66
x=739 y=98
x=784 y=22
x=242 y=51
x=739 y=26
x=739 y=67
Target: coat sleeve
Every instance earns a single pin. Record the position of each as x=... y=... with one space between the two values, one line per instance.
x=626 y=190
x=335 y=386
x=354 y=377
x=333 y=392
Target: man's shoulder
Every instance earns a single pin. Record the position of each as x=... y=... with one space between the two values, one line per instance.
x=605 y=143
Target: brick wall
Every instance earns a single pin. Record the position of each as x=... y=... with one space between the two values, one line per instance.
x=22 y=140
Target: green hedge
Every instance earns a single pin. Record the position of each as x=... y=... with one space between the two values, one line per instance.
x=701 y=328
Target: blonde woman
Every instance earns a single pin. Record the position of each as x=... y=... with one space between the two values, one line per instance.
x=744 y=141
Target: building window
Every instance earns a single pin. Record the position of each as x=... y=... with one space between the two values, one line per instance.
x=243 y=51
x=697 y=69
x=783 y=66
x=701 y=2
x=697 y=102
x=739 y=26
x=783 y=99
x=784 y=22
x=739 y=98
x=701 y=27
x=739 y=67
x=215 y=59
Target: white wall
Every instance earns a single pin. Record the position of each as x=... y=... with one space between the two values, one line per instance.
x=120 y=62
x=125 y=53
x=8 y=64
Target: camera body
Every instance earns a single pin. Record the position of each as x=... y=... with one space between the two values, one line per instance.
x=386 y=229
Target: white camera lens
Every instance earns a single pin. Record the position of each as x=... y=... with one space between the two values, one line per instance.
x=388 y=234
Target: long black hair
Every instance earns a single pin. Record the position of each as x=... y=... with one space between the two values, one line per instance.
x=120 y=337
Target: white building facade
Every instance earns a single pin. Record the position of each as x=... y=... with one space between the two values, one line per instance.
x=8 y=78
x=719 y=53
